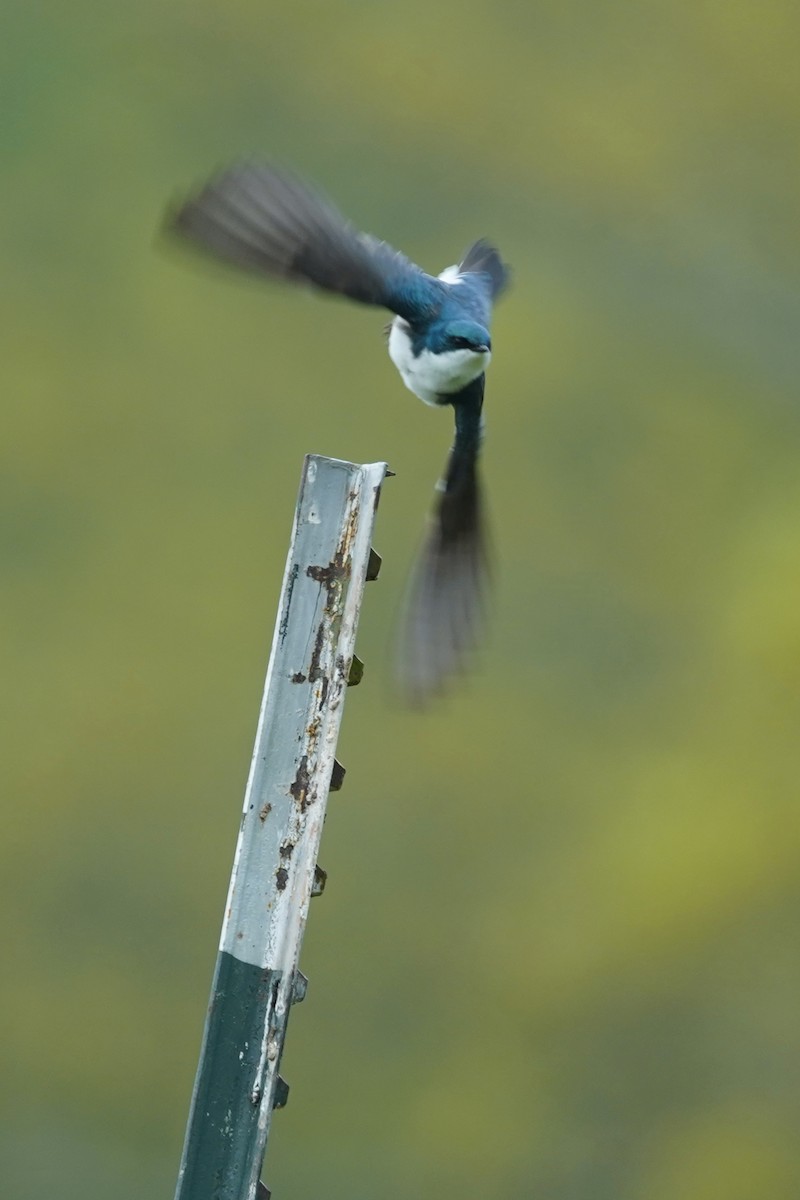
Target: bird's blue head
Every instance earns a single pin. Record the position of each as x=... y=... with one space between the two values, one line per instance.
x=459 y=334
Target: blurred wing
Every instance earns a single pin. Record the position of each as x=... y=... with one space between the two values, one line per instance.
x=266 y=220
x=446 y=607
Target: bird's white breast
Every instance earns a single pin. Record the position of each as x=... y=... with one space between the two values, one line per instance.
x=430 y=375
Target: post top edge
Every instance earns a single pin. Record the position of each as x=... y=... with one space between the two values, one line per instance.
x=343 y=462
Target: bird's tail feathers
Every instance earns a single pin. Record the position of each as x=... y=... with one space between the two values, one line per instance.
x=446 y=609
x=484 y=259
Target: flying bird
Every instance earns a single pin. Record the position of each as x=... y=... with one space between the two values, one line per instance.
x=268 y=221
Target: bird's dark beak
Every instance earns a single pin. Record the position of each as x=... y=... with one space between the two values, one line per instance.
x=482 y=349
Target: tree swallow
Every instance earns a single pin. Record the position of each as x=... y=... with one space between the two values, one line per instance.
x=267 y=220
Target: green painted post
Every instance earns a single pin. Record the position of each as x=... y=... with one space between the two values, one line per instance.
x=275 y=871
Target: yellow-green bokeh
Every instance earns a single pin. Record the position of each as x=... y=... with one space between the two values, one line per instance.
x=557 y=955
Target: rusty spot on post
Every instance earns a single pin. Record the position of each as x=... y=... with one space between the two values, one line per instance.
x=299 y=787
x=328 y=576
x=315 y=671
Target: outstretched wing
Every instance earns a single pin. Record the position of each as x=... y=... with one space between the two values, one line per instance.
x=446 y=606
x=267 y=220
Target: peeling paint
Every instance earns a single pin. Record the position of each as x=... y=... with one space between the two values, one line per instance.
x=290 y=582
x=315 y=671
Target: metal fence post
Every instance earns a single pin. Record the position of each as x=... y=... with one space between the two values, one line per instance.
x=275 y=870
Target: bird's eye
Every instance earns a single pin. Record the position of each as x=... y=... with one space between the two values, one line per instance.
x=461 y=343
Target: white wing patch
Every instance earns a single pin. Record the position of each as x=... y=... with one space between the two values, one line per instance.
x=451 y=275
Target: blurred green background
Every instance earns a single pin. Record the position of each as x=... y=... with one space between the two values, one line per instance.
x=557 y=955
